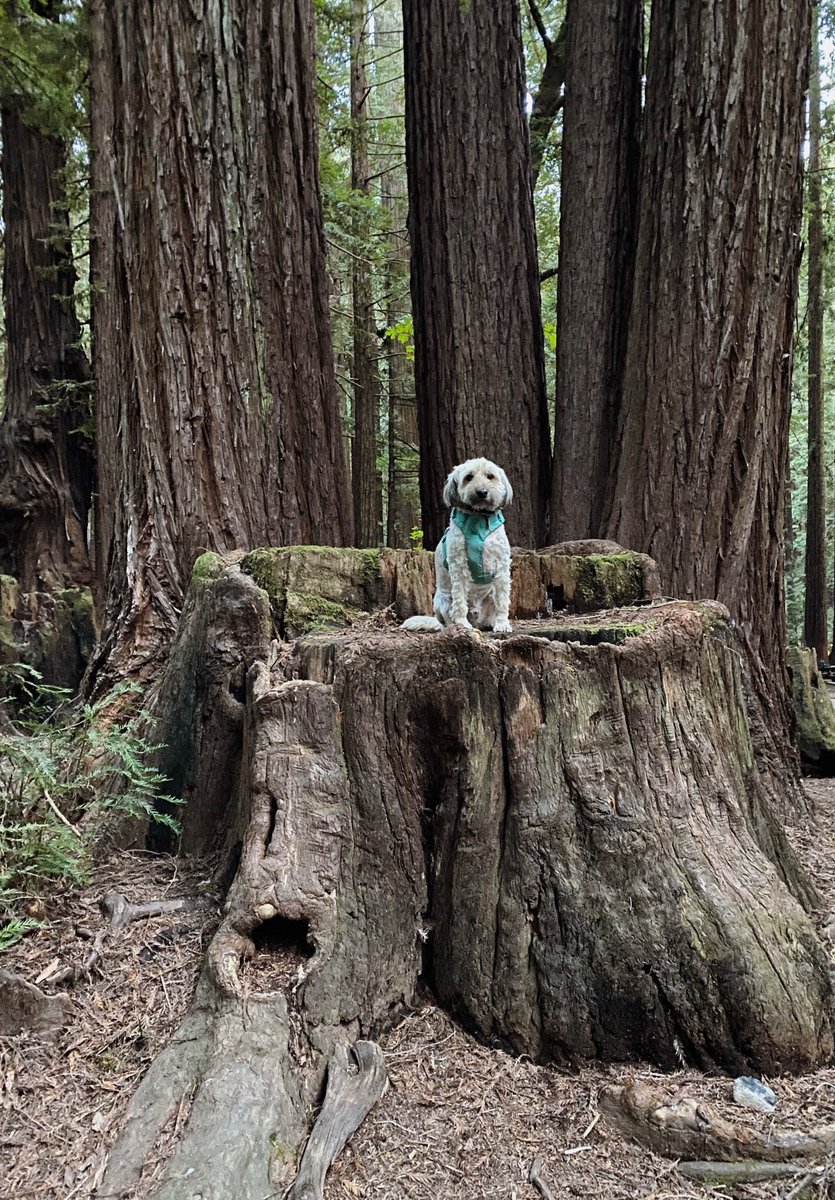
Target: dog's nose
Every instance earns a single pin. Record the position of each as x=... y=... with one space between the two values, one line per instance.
x=482 y=493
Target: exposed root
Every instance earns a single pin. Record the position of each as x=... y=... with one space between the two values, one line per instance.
x=685 y=1128
x=348 y=1099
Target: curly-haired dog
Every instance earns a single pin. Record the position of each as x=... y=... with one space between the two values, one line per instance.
x=472 y=561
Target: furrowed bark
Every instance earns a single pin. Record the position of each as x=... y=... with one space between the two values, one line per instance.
x=46 y=461
x=699 y=478
x=598 y=231
x=218 y=426
x=479 y=364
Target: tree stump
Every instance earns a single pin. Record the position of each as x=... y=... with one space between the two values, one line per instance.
x=563 y=831
x=813 y=712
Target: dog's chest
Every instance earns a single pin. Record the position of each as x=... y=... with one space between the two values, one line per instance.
x=495 y=553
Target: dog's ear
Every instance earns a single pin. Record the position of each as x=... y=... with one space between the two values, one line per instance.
x=450 y=493
x=508 y=490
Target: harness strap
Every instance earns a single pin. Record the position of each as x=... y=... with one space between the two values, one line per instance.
x=476 y=528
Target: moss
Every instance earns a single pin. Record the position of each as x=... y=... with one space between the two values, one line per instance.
x=308 y=614
x=608 y=580
x=281 y=1153
x=586 y=635
x=207 y=566
x=78 y=604
x=263 y=566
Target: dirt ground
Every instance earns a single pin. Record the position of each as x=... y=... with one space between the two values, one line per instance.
x=459 y=1119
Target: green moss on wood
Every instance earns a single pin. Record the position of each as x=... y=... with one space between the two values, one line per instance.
x=315 y=614
x=207 y=566
x=315 y=587
x=608 y=580
x=262 y=566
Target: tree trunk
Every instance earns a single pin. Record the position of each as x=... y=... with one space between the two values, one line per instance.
x=479 y=367
x=367 y=485
x=218 y=424
x=815 y=605
x=46 y=461
x=699 y=477
x=598 y=230
x=403 y=492
x=464 y=810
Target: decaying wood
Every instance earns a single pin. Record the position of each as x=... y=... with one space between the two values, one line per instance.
x=119 y=910
x=687 y=1129
x=813 y=711
x=749 y=1171
x=348 y=1100
x=24 y=1007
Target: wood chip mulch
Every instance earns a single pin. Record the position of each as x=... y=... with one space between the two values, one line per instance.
x=459 y=1119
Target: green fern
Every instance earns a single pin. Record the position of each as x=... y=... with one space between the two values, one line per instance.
x=59 y=762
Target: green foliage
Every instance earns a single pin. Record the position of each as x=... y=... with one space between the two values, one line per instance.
x=416 y=538
x=547 y=194
x=60 y=762
x=404 y=333
x=43 y=64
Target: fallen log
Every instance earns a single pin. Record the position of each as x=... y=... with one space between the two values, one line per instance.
x=119 y=910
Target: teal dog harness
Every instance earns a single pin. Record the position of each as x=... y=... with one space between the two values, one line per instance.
x=475 y=527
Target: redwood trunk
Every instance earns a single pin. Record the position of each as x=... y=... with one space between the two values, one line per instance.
x=218 y=424
x=598 y=231
x=367 y=485
x=403 y=444
x=479 y=368
x=814 y=614
x=699 y=479
x=46 y=463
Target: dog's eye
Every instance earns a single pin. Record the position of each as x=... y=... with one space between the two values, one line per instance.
x=491 y=476
x=467 y=478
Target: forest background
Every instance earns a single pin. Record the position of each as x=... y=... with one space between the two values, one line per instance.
x=43 y=76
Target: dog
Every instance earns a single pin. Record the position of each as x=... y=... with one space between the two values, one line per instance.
x=472 y=560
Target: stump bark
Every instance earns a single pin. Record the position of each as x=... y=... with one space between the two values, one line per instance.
x=813 y=711
x=564 y=832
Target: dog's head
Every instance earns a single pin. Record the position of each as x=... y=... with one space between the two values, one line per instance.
x=477 y=485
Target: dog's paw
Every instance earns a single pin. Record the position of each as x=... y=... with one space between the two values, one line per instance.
x=503 y=627
x=462 y=624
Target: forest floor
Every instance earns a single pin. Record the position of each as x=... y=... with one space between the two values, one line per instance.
x=459 y=1119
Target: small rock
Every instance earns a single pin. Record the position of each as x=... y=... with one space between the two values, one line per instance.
x=754 y=1094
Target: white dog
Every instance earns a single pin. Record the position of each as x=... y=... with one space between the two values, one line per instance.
x=472 y=561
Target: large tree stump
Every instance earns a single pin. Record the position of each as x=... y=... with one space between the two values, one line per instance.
x=563 y=831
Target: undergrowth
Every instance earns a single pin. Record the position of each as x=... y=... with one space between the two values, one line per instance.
x=64 y=768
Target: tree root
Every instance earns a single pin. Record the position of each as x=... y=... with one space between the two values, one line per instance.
x=535 y=1177
x=119 y=911
x=750 y=1171
x=689 y=1130
x=348 y=1100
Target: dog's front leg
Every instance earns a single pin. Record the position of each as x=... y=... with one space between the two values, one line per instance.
x=459 y=578
x=502 y=601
